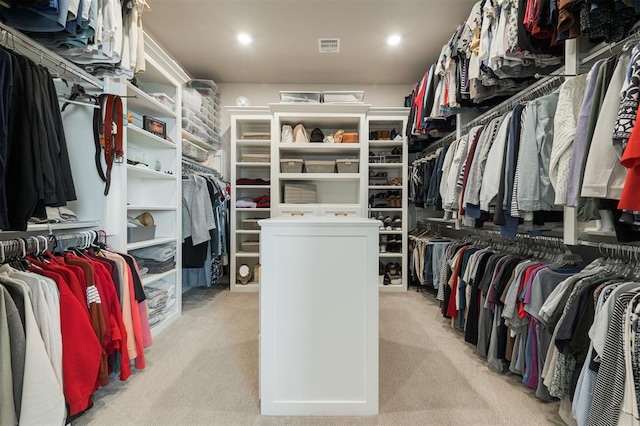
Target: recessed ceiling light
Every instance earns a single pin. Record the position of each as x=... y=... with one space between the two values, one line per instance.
x=394 y=40
x=244 y=38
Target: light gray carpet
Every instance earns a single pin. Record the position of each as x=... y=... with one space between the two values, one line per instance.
x=204 y=370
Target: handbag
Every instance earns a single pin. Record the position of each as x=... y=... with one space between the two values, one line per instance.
x=287 y=134
x=300 y=134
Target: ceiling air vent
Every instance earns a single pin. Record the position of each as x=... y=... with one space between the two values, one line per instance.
x=329 y=45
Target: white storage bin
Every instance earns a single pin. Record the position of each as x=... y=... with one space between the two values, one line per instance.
x=164 y=99
x=193 y=151
x=347 y=165
x=291 y=165
x=256 y=158
x=203 y=86
x=188 y=113
x=191 y=127
x=320 y=166
x=304 y=97
x=340 y=96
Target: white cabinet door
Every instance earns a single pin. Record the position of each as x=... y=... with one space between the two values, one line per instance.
x=319 y=317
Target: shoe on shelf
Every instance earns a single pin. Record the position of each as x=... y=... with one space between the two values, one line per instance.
x=396 y=225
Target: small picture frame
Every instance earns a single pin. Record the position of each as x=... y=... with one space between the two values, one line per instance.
x=154 y=126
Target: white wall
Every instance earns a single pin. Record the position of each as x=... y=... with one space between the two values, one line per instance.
x=379 y=95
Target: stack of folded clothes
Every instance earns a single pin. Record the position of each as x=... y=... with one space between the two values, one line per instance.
x=155 y=260
x=261 y=201
x=161 y=300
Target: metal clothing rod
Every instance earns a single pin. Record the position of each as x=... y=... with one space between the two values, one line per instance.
x=15 y=40
x=84 y=104
x=543 y=87
x=193 y=166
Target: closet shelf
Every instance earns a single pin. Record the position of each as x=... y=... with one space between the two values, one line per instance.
x=144 y=104
x=142 y=138
x=141 y=173
x=154 y=208
x=320 y=176
x=254 y=143
x=199 y=141
x=253 y=186
x=390 y=232
x=249 y=209
x=385 y=209
x=384 y=144
x=386 y=187
x=390 y=254
x=247 y=254
x=248 y=288
x=385 y=165
x=320 y=148
x=58 y=226
x=248 y=231
x=148 y=279
x=256 y=165
x=150 y=243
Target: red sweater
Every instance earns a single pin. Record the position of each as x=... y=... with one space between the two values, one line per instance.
x=81 y=351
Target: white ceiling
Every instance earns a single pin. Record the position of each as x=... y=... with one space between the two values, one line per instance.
x=201 y=36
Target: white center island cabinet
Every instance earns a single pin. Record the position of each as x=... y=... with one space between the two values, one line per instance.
x=319 y=316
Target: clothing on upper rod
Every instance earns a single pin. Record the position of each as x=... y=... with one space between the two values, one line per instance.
x=102 y=36
x=564 y=147
x=73 y=316
x=35 y=149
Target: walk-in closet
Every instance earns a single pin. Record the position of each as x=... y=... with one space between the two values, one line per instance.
x=394 y=212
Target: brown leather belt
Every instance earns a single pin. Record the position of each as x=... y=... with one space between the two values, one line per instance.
x=107 y=134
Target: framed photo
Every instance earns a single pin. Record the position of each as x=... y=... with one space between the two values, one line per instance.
x=154 y=126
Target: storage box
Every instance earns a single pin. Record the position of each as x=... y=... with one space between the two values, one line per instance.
x=250 y=224
x=256 y=158
x=251 y=246
x=341 y=96
x=194 y=152
x=292 y=165
x=347 y=165
x=304 y=97
x=164 y=99
x=141 y=233
x=262 y=136
x=350 y=137
x=300 y=193
x=320 y=166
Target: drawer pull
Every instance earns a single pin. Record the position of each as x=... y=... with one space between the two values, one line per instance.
x=297 y=213
x=341 y=214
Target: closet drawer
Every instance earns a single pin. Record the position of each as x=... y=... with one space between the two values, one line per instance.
x=297 y=211
x=339 y=211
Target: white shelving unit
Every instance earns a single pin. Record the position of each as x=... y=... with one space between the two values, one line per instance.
x=157 y=188
x=338 y=194
x=389 y=163
x=250 y=134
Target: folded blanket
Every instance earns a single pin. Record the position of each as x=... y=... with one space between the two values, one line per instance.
x=159 y=253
